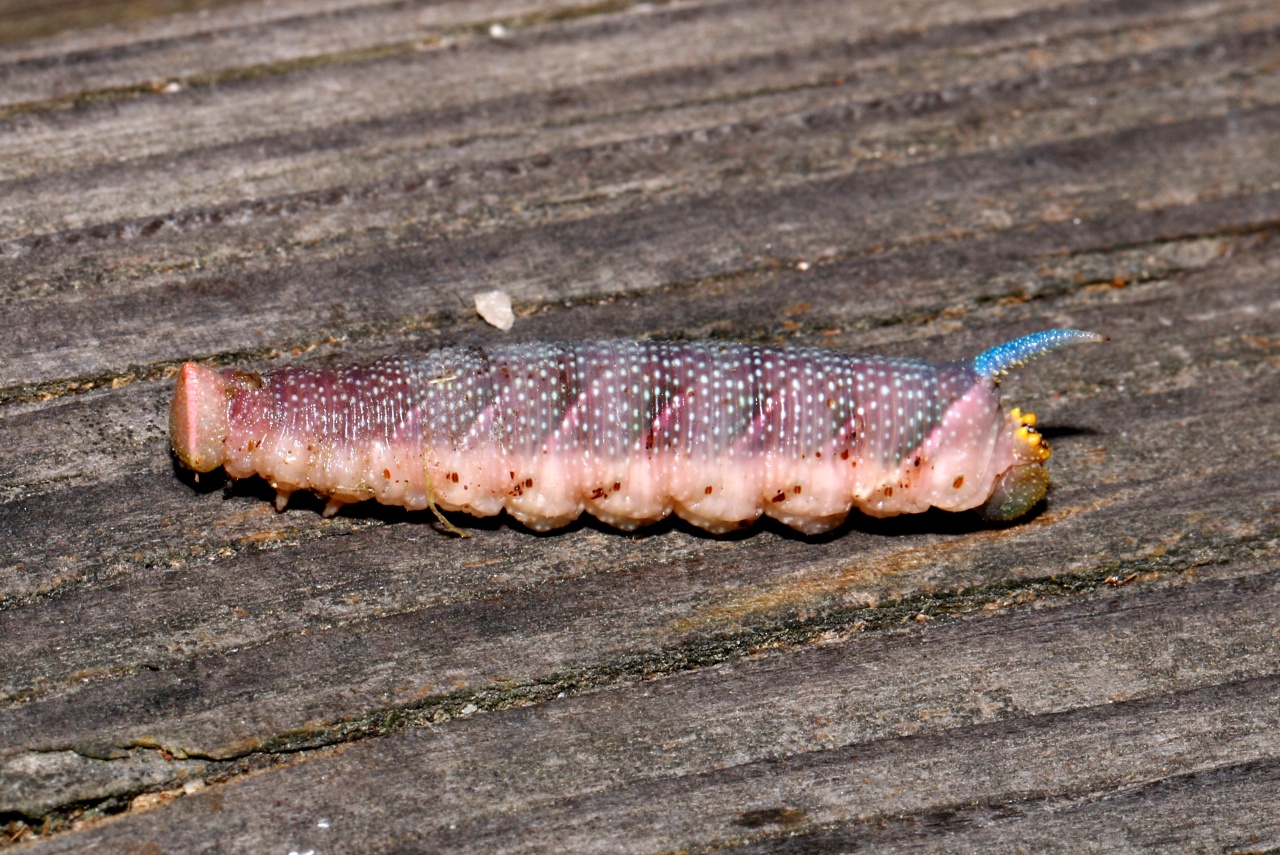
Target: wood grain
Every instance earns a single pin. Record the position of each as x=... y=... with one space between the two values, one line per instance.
x=258 y=184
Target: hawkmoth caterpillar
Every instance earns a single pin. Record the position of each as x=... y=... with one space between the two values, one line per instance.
x=630 y=431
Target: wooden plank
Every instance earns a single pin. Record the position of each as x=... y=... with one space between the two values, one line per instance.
x=333 y=182
x=370 y=282
x=20 y=22
x=645 y=586
x=1019 y=708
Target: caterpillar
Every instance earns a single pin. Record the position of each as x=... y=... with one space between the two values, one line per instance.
x=629 y=432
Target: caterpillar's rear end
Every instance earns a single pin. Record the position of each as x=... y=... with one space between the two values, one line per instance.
x=630 y=432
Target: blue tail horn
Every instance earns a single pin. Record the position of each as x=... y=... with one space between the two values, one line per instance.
x=1003 y=358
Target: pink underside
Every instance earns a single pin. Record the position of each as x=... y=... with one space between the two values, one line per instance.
x=958 y=464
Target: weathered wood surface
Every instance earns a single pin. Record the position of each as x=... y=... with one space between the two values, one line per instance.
x=311 y=181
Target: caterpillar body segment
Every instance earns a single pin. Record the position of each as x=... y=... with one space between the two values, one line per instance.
x=630 y=431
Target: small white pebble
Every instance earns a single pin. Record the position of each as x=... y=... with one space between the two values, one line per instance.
x=324 y=823
x=498 y=31
x=495 y=308
x=171 y=87
x=803 y=265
